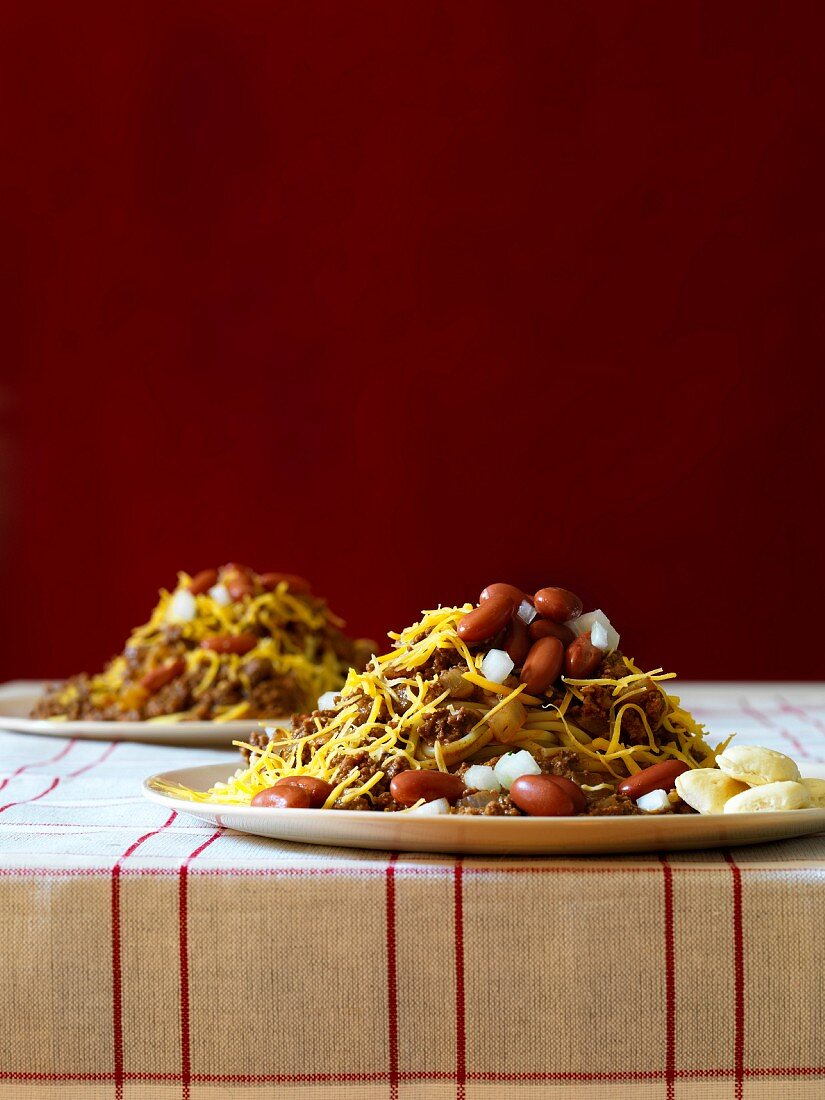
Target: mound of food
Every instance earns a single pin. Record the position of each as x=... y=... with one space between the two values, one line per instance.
x=225 y=644
x=520 y=705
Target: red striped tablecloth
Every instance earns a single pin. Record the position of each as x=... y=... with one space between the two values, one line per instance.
x=144 y=955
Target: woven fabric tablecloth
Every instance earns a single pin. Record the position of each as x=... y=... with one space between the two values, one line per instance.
x=145 y=955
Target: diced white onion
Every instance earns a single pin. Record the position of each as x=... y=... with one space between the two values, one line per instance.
x=526 y=612
x=654 y=800
x=437 y=806
x=482 y=777
x=496 y=666
x=182 y=607
x=327 y=700
x=220 y=594
x=598 y=636
x=602 y=633
x=513 y=765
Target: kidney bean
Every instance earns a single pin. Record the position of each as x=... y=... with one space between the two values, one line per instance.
x=159 y=677
x=407 y=787
x=573 y=791
x=509 y=590
x=203 y=581
x=543 y=665
x=485 y=620
x=658 y=777
x=283 y=798
x=294 y=583
x=582 y=657
x=239 y=586
x=545 y=628
x=539 y=796
x=516 y=641
x=557 y=604
x=230 y=643
x=317 y=789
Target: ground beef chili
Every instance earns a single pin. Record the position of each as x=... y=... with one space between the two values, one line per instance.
x=613 y=667
x=171 y=699
x=497 y=805
x=653 y=704
x=612 y=805
x=445 y=724
x=438 y=662
x=367 y=767
x=594 y=712
x=303 y=726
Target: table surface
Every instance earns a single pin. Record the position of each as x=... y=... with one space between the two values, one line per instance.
x=145 y=954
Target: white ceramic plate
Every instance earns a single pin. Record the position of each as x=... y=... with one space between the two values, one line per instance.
x=400 y=832
x=17 y=700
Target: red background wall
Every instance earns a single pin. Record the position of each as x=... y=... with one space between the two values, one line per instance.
x=410 y=298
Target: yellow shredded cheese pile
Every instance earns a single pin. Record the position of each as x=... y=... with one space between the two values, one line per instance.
x=379 y=714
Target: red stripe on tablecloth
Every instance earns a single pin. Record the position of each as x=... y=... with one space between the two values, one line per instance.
x=796 y=745
x=460 y=1022
x=183 y=916
x=69 y=775
x=738 y=978
x=117 y=974
x=107 y=752
x=752 y=712
x=670 y=983
x=801 y=712
x=25 y=801
x=392 y=978
x=37 y=763
x=785 y=708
